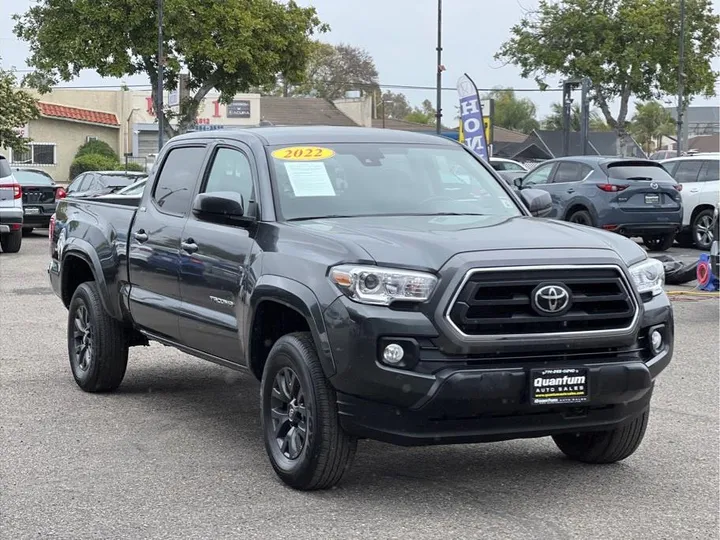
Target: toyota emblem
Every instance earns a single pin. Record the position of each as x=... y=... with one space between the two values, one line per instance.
x=551 y=299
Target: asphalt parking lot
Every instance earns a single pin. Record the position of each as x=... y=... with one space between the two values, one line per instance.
x=176 y=452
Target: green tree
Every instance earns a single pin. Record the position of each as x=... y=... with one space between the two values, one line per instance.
x=425 y=114
x=229 y=45
x=511 y=112
x=554 y=121
x=396 y=105
x=626 y=47
x=17 y=108
x=650 y=124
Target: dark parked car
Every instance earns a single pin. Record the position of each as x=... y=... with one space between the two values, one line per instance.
x=95 y=183
x=40 y=195
x=632 y=197
x=380 y=284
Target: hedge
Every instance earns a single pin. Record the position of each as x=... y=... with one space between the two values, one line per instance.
x=97 y=147
x=92 y=162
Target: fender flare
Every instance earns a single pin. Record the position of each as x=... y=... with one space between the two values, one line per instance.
x=302 y=299
x=77 y=247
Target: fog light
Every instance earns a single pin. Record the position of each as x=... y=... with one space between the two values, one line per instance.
x=656 y=340
x=393 y=353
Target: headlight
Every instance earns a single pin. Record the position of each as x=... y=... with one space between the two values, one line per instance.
x=649 y=276
x=383 y=286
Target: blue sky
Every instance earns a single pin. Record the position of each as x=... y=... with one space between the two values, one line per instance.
x=401 y=36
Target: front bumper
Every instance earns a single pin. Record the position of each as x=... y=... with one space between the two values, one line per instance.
x=479 y=397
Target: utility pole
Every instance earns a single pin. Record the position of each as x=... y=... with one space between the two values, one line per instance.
x=585 y=116
x=440 y=68
x=160 y=75
x=681 y=81
x=568 y=86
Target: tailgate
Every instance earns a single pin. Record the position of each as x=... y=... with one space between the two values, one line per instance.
x=643 y=187
x=38 y=195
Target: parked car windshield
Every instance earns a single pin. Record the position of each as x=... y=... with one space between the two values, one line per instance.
x=369 y=179
x=28 y=178
x=117 y=181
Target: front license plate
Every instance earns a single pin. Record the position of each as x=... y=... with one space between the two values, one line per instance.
x=31 y=210
x=652 y=199
x=559 y=386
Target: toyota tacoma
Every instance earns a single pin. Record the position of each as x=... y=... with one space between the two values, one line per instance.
x=379 y=284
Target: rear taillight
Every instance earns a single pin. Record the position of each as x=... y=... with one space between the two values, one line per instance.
x=60 y=193
x=51 y=231
x=17 y=190
x=678 y=187
x=611 y=188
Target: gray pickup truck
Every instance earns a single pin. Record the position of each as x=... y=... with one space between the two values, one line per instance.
x=379 y=284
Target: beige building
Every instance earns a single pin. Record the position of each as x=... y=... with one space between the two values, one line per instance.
x=126 y=121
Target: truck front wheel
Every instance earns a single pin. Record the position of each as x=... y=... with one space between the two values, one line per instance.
x=604 y=446
x=97 y=343
x=303 y=438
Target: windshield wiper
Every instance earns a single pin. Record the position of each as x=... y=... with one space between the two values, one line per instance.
x=338 y=216
x=330 y=216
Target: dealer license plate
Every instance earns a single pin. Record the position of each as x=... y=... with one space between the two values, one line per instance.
x=559 y=386
x=31 y=210
x=652 y=199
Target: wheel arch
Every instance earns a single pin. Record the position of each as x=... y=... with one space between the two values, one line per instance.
x=279 y=306
x=79 y=263
x=578 y=206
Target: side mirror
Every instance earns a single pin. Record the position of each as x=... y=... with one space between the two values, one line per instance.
x=537 y=201
x=218 y=206
x=517 y=182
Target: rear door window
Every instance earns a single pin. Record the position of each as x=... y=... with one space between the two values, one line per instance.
x=710 y=171
x=178 y=176
x=569 y=171
x=687 y=171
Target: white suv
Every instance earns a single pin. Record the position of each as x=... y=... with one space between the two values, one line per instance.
x=699 y=175
x=11 y=210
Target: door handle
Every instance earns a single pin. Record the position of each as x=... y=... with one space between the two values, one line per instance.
x=694 y=190
x=571 y=190
x=141 y=236
x=189 y=245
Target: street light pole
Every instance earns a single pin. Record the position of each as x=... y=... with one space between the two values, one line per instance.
x=160 y=75
x=681 y=80
x=438 y=112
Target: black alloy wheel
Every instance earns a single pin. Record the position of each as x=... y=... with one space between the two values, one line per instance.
x=289 y=415
x=82 y=338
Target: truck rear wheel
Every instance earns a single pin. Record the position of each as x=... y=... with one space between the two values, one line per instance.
x=306 y=445
x=11 y=242
x=604 y=446
x=97 y=343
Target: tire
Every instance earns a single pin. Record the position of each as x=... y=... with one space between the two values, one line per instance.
x=581 y=217
x=102 y=340
x=11 y=242
x=604 y=446
x=659 y=243
x=702 y=233
x=296 y=395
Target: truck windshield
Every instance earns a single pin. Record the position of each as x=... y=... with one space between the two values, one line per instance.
x=370 y=179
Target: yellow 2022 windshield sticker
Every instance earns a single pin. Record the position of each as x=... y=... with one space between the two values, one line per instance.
x=303 y=153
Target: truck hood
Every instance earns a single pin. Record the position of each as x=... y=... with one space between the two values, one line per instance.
x=429 y=241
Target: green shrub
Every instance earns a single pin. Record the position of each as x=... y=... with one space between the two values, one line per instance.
x=97 y=147
x=131 y=166
x=92 y=162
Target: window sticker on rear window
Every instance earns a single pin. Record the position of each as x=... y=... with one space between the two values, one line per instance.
x=303 y=153
x=309 y=179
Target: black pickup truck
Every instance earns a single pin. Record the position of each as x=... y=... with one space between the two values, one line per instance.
x=380 y=284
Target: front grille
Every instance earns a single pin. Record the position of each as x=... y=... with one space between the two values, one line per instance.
x=498 y=302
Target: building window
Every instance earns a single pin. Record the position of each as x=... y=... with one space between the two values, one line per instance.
x=34 y=154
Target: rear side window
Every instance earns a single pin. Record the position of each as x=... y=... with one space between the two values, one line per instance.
x=569 y=171
x=178 y=176
x=629 y=171
x=710 y=171
x=687 y=171
x=4 y=168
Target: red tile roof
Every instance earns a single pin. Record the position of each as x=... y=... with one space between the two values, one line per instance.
x=75 y=113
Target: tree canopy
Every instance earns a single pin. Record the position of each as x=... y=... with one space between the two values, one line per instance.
x=396 y=105
x=554 y=121
x=229 y=45
x=17 y=108
x=511 y=112
x=650 y=124
x=331 y=72
x=626 y=47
